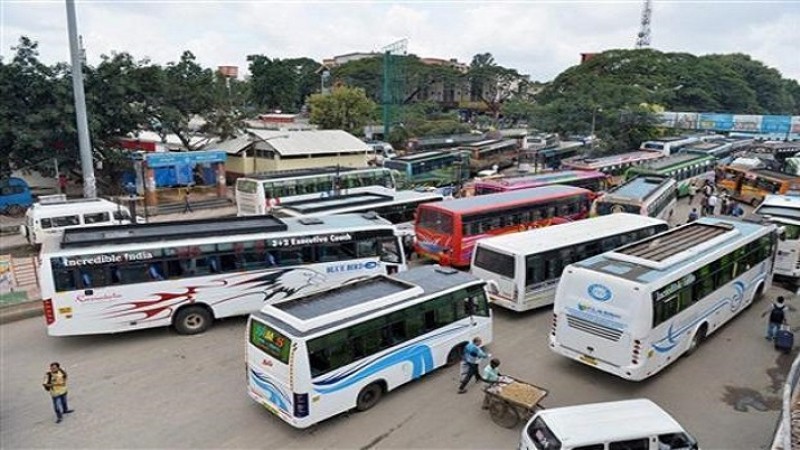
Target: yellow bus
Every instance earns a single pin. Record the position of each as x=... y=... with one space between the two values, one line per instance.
x=752 y=185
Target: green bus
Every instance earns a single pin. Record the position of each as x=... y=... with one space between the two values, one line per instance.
x=684 y=168
x=435 y=169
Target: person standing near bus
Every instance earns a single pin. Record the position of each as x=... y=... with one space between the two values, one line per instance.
x=472 y=356
x=692 y=192
x=777 y=317
x=187 y=205
x=62 y=183
x=55 y=381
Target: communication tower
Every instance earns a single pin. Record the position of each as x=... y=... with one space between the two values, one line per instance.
x=643 y=38
x=393 y=86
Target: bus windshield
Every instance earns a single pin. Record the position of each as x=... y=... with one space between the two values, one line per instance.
x=434 y=220
x=542 y=437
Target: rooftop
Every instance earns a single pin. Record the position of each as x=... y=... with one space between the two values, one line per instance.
x=640 y=187
x=310 y=142
x=504 y=199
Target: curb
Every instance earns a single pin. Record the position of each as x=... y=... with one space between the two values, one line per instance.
x=20 y=311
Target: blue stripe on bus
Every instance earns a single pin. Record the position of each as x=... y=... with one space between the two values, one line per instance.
x=276 y=396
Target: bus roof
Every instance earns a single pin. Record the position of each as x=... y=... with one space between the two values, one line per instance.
x=355 y=301
x=640 y=187
x=604 y=161
x=607 y=422
x=780 y=206
x=672 y=160
x=365 y=199
x=293 y=173
x=165 y=232
x=775 y=175
x=545 y=178
x=659 y=256
x=544 y=239
x=422 y=155
x=499 y=200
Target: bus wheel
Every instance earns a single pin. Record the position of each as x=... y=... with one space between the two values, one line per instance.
x=192 y=320
x=455 y=354
x=698 y=338
x=369 y=397
x=759 y=293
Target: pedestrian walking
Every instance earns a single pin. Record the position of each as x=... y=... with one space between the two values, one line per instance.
x=703 y=205
x=725 y=207
x=692 y=192
x=187 y=204
x=469 y=366
x=693 y=215
x=708 y=189
x=777 y=317
x=712 y=204
x=55 y=381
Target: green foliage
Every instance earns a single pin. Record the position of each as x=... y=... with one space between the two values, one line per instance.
x=284 y=85
x=493 y=84
x=345 y=108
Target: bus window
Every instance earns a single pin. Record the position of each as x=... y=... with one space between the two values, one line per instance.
x=389 y=251
x=96 y=218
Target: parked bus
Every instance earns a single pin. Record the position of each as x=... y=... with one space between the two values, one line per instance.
x=54 y=214
x=552 y=158
x=685 y=169
x=591 y=180
x=431 y=168
x=486 y=154
x=314 y=357
x=399 y=208
x=721 y=149
x=669 y=145
x=256 y=193
x=185 y=274
x=784 y=212
x=647 y=196
x=523 y=269
x=613 y=166
x=446 y=232
x=15 y=196
x=635 y=310
x=752 y=185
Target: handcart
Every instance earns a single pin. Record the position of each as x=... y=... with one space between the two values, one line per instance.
x=511 y=400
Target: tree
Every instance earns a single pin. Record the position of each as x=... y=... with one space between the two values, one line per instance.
x=37 y=120
x=282 y=84
x=344 y=108
x=493 y=84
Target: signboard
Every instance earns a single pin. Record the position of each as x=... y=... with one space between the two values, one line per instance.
x=719 y=122
x=185 y=158
x=776 y=124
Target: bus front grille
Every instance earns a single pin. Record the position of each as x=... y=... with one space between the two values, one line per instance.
x=593 y=328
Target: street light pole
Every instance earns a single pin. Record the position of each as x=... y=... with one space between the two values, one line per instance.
x=594 y=122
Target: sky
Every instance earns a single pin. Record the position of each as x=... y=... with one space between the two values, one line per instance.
x=538 y=38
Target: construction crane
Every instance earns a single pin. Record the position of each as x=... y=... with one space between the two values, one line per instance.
x=393 y=86
x=643 y=38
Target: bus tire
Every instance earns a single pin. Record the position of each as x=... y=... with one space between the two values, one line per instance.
x=759 y=294
x=698 y=339
x=455 y=354
x=193 y=319
x=369 y=396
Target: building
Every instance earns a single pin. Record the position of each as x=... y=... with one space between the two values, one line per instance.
x=268 y=150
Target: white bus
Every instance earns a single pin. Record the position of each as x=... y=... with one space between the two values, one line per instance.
x=633 y=311
x=53 y=214
x=669 y=145
x=257 y=193
x=784 y=211
x=522 y=269
x=636 y=424
x=648 y=196
x=314 y=357
x=398 y=208
x=186 y=274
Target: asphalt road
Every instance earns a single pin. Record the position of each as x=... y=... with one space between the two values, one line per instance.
x=157 y=389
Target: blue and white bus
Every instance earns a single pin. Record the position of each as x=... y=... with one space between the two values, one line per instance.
x=647 y=196
x=633 y=311
x=311 y=358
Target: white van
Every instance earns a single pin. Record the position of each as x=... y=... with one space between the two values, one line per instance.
x=54 y=213
x=625 y=425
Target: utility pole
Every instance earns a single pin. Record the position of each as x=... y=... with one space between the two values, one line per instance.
x=87 y=163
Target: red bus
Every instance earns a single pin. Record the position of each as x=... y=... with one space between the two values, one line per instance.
x=588 y=179
x=447 y=231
